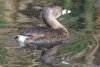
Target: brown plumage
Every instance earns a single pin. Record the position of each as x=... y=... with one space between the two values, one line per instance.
x=45 y=37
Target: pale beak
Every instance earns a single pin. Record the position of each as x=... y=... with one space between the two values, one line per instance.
x=65 y=11
x=69 y=11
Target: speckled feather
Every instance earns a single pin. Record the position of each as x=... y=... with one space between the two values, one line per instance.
x=44 y=37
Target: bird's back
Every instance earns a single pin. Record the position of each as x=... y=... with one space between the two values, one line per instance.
x=44 y=37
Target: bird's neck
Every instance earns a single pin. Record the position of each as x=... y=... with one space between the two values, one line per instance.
x=51 y=21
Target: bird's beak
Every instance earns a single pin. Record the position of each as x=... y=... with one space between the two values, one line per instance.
x=68 y=11
x=65 y=11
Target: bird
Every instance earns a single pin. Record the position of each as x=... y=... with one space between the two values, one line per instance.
x=44 y=38
x=39 y=35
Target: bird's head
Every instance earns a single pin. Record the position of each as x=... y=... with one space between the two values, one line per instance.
x=57 y=11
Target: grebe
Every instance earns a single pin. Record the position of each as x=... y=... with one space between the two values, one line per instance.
x=44 y=37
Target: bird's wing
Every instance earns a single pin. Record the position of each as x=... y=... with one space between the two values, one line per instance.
x=52 y=35
x=48 y=37
x=33 y=30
